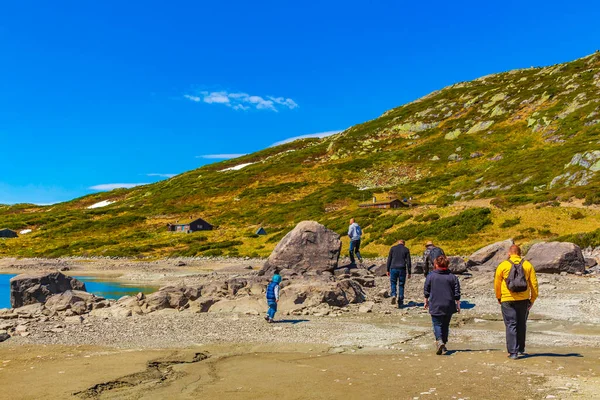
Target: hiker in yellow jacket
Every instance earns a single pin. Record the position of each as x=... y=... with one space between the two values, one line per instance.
x=516 y=303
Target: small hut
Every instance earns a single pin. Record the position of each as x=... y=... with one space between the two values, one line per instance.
x=8 y=233
x=193 y=226
x=261 y=231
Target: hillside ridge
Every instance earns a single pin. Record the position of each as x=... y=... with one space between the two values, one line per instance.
x=528 y=140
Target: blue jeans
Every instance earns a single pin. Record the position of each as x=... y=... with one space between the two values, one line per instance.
x=441 y=327
x=355 y=249
x=272 y=310
x=397 y=281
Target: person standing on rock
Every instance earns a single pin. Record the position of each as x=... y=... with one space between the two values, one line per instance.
x=431 y=253
x=273 y=297
x=355 y=233
x=399 y=268
x=442 y=299
x=516 y=288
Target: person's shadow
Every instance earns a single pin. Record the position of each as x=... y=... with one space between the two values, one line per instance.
x=465 y=305
x=290 y=321
x=450 y=352
x=527 y=355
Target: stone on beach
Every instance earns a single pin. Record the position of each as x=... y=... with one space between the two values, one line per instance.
x=489 y=257
x=309 y=247
x=36 y=288
x=556 y=257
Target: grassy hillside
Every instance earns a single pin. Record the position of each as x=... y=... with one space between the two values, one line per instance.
x=515 y=154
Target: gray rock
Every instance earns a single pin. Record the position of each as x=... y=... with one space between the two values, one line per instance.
x=590 y=262
x=556 y=257
x=457 y=265
x=4 y=336
x=488 y=258
x=378 y=270
x=77 y=301
x=36 y=288
x=309 y=247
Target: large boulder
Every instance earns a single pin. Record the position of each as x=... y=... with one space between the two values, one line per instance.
x=309 y=247
x=556 y=257
x=457 y=265
x=36 y=288
x=488 y=258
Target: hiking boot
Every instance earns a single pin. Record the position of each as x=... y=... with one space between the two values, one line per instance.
x=393 y=301
x=513 y=356
x=400 y=304
x=270 y=320
x=444 y=349
x=439 y=347
x=267 y=318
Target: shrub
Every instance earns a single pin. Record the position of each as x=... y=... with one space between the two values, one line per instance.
x=583 y=240
x=510 y=222
x=577 y=215
x=457 y=227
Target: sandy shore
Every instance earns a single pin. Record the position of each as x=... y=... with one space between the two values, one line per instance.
x=386 y=353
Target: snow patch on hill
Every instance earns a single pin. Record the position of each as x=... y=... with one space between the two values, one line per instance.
x=102 y=203
x=236 y=168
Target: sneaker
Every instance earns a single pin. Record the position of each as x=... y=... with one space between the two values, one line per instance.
x=439 y=348
x=513 y=356
x=393 y=300
x=444 y=349
x=270 y=320
x=267 y=318
x=400 y=304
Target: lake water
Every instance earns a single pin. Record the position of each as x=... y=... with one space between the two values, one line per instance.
x=99 y=286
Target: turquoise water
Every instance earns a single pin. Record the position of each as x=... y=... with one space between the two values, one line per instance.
x=98 y=286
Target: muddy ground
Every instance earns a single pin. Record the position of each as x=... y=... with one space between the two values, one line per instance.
x=386 y=353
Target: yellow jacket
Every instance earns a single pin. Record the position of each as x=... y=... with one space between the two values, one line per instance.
x=502 y=291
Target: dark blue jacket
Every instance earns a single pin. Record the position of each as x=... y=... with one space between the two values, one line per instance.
x=442 y=288
x=399 y=258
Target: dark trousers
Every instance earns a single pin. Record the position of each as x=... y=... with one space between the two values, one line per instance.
x=397 y=281
x=515 y=315
x=441 y=327
x=355 y=249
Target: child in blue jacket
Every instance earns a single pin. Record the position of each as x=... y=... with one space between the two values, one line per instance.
x=273 y=297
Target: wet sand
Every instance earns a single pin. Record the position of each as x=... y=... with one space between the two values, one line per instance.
x=294 y=372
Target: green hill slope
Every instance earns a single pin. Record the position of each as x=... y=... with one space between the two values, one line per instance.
x=514 y=154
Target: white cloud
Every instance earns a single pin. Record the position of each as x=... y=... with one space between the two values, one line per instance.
x=111 y=186
x=161 y=175
x=220 y=156
x=192 y=98
x=243 y=101
x=319 y=135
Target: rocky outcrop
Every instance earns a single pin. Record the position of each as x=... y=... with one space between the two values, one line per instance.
x=36 y=288
x=556 y=257
x=74 y=302
x=488 y=258
x=309 y=247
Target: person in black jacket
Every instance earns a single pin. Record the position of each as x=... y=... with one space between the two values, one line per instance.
x=442 y=298
x=431 y=253
x=398 y=269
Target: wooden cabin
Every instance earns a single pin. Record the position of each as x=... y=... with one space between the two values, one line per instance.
x=8 y=233
x=188 y=227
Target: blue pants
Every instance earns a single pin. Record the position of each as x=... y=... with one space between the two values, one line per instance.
x=272 y=310
x=355 y=249
x=397 y=281
x=441 y=327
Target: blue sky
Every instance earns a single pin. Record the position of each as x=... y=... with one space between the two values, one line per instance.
x=98 y=93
